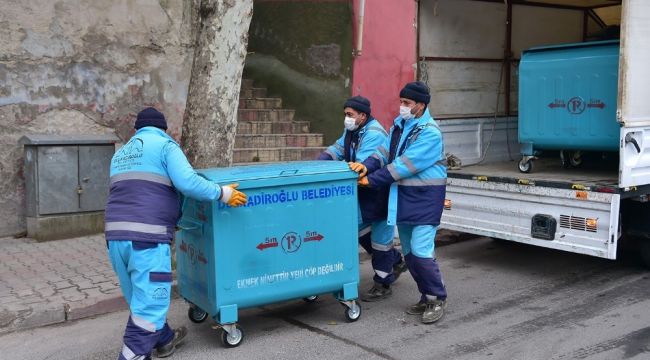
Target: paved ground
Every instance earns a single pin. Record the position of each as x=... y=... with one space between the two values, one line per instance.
x=57 y=281
x=51 y=282
x=507 y=301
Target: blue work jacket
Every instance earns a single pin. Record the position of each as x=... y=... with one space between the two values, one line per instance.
x=145 y=175
x=412 y=163
x=357 y=146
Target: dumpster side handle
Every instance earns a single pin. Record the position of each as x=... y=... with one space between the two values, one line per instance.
x=289 y=172
x=188 y=225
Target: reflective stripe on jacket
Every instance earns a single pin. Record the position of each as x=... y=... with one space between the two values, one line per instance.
x=143 y=203
x=412 y=163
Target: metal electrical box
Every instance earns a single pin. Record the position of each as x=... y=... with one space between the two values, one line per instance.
x=66 y=184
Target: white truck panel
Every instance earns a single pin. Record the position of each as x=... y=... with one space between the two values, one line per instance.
x=505 y=211
x=633 y=103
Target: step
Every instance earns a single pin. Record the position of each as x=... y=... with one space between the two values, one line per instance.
x=260 y=103
x=278 y=140
x=265 y=115
x=252 y=93
x=246 y=83
x=272 y=127
x=276 y=154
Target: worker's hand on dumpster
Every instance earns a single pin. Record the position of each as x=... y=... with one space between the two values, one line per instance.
x=231 y=196
x=238 y=199
x=363 y=181
x=358 y=168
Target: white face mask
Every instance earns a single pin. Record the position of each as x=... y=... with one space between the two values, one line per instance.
x=350 y=123
x=405 y=113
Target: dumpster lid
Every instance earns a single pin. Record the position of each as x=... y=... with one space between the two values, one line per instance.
x=49 y=139
x=573 y=45
x=276 y=170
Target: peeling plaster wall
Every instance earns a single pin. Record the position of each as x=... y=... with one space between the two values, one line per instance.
x=85 y=67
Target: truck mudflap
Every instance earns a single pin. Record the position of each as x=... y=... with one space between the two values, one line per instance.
x=578 y=221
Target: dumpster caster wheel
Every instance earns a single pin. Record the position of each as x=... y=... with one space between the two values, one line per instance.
x=353 y=313
x=232 y=335
x=310 y=299
x=575 y=159
x=196 y=315
x=525 y=165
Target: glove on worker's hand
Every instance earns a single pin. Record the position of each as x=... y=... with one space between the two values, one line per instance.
x=363 y=182
x=358 y=168
x=231 y=196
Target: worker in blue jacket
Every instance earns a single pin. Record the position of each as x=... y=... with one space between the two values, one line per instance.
x=141 y=213
x=362 y=136
x=412 y=164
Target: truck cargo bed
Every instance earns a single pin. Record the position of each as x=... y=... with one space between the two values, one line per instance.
x=548 y=172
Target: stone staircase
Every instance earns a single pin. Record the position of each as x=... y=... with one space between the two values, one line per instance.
x=266 y=132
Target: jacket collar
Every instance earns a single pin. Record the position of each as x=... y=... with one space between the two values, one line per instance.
x=424 y=118
x=363 y=128
x=153 y=130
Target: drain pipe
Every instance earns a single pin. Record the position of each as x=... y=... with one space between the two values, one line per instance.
x=362 y=9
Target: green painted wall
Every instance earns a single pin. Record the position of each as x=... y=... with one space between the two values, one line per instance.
x=302 y=52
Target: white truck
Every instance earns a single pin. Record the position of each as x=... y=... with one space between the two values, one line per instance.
x=468 y=53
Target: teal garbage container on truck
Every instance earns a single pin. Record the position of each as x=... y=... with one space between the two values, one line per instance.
x=295 y=239
x=567 y=101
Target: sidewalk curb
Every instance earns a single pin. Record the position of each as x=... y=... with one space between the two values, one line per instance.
x=20 y=320
x=89 y=308
x=16 y=320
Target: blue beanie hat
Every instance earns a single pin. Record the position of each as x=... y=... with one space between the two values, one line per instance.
x=358 y=103
x=416 y=91
x=150 y=117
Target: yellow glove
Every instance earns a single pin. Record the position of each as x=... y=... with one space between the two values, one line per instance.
x=231 y=196
x=363 y=181
x=358 y=168
x=238 y=199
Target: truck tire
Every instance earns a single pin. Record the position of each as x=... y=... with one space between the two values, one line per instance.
x=644 y=251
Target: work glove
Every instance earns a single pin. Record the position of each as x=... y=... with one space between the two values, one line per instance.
x=358 y=168
x=231 y=196
x=363 y=181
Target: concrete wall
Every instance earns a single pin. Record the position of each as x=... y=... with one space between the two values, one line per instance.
x=302 y=51
x=85 y=67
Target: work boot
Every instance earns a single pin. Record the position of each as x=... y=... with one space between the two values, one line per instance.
x=417 y=309
x=434 y=311
x=168 y=349
x=399 y=268
x=377 y=292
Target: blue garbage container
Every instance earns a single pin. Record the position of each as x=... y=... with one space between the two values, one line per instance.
x=296 y=238
x=567 y=100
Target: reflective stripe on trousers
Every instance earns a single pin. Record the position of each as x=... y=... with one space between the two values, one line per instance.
x=145 y=279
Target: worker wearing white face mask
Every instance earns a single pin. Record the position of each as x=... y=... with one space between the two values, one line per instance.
x=362 y=136
x=412 y=164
